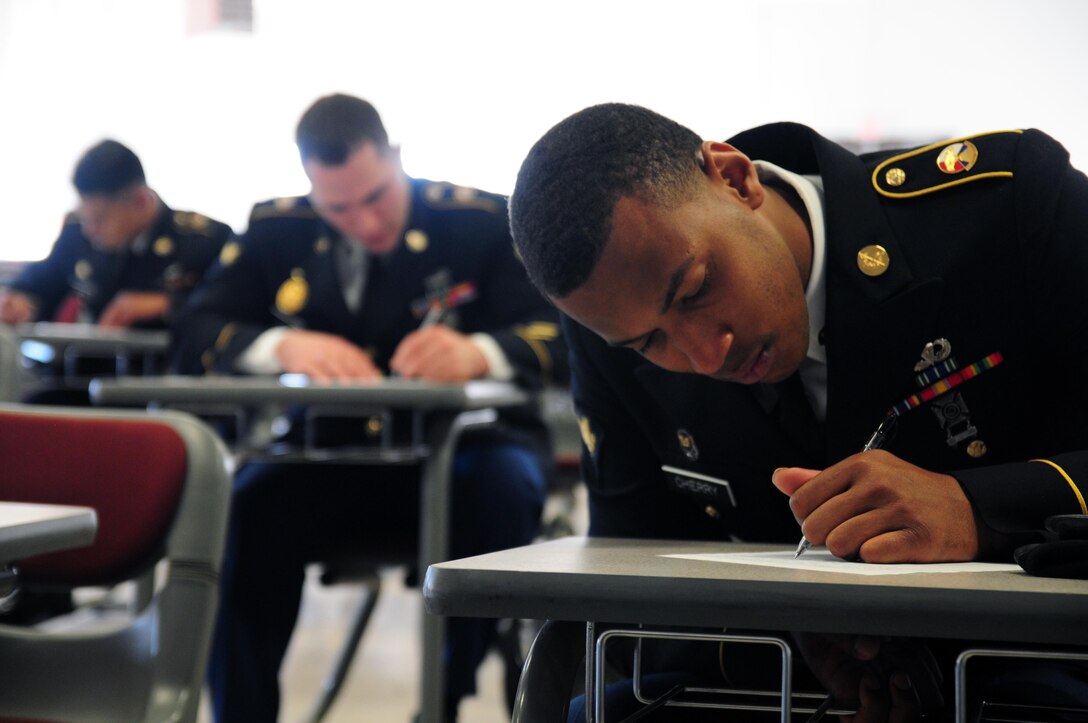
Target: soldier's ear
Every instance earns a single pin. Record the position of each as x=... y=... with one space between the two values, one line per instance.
x=393 y=154
x=724 y=164
x=142 y=197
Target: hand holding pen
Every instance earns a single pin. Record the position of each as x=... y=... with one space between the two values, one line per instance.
x=876 y=441
x=883 y=509
x=440 y=354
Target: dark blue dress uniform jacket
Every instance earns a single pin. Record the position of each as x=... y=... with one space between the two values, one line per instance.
x=994 y=263
x=181 y=246
x=454 y=235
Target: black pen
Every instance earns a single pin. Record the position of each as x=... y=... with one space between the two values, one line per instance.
x=876 y=441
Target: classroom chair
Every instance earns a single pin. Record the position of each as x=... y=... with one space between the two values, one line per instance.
x=9 y=365
x=161 y=489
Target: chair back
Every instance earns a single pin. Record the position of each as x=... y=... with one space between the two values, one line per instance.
x=160 y=486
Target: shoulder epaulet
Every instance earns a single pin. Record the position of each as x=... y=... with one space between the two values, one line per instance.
x=448 y=195
x=192 y=221
x=283 y=207
x=946 y=164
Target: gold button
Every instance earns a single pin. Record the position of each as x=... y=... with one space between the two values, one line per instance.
x=712 y=512
x=895 y=177
x=873 y=260
x=416 y=240
x=374 y=426
x=163 y=246
x=977 y=448
x=229 y=253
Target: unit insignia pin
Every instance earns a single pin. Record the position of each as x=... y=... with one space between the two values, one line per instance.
x=957 y=157
x=293 y=293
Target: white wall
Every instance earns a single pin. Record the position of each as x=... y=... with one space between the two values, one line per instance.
x=466 y=87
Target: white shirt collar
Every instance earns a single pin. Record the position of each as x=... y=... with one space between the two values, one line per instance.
x=810 y=189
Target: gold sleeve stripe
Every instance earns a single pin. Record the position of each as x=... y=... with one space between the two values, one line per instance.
x=543 y=357
x=539 y=330
x=1072 y=485
x=918 y=151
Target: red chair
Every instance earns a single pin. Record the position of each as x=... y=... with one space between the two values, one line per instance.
x=161 y=489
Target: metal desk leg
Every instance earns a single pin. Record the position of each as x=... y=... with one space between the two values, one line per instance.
x=591 y=671
x=443 y=433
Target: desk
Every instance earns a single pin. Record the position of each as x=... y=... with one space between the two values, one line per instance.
x=628 y=581
x=29 y=529
x=45 y=341
x=444 y=410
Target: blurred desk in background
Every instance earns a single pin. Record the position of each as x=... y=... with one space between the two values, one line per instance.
x=439 y=413
x=65 y=357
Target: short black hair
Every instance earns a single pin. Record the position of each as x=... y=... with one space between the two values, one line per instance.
x=568 y=185
x=335 y=125
x=108 y=168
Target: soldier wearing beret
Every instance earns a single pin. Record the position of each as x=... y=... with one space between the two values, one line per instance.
x=123 y=259
x=348 y=284
x=752 y=310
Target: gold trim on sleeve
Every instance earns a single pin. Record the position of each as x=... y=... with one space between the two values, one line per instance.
x=543 y=356
x=1072 y=485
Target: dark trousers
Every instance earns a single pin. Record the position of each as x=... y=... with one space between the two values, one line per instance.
x=285 y=516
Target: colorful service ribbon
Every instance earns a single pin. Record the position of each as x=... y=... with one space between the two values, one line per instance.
x=939 y=387
x=938 y=371
x=462 y=293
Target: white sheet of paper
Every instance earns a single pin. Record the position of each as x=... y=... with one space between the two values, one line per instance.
x=818 y=558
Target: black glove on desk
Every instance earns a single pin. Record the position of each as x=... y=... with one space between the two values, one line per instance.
x=1064 y=554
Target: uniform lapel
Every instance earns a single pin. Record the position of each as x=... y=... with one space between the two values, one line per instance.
x=326 y=292
x=876 y=325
